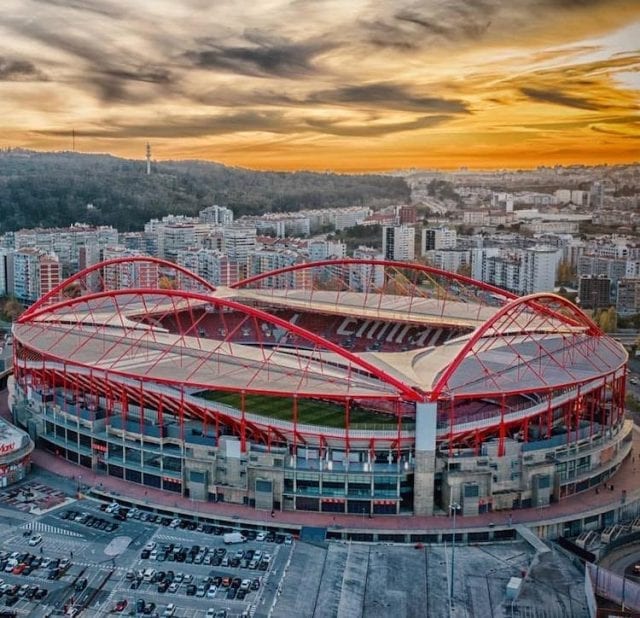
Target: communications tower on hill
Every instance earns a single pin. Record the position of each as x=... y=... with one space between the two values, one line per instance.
x=148 y=158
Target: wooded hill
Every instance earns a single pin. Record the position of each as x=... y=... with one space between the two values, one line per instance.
x=54 y=189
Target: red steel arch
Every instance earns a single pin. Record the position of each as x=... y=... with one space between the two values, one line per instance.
x=574 y=317
x=429 y=270
x=55 y=292
x=405 y=390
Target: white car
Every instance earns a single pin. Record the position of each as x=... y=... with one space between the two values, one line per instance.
x=114 y=507
x=150 y=546
x=36 y=539
x=170 y=610
x=261 y=536
x=174 y=523
x=211 y=593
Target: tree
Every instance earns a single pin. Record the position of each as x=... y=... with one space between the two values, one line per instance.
x=167 y=283
x=12 y=309
x=607 y=319
x=566 y=273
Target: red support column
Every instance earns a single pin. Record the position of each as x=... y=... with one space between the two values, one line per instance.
x=451 y=427
x=622 y=395
x=160 y=410
x=243 y=426
x=64 y=388
x=579 y=404
x=108 y=394
x=92 y=395
x=76 y=388
x=295 y=425
x=181 y=415
x=124 y=402
x=399 y=417
x=141 y=406
x=347 y=418
x=502 y=429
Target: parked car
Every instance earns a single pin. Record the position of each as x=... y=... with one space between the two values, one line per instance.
x=36 y=539
x=121 y=605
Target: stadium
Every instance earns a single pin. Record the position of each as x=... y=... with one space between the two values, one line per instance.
x=342 y=386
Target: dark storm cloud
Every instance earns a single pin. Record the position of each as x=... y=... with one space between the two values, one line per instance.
x=388 y=96
x=618 y=134
x=459 y=21
x=19 y=71
x=379 y=96
x=262 y=57
x=243 y=122
x=118 y=83
x=97 y=8
x=557 y=97
x=193 y=126
x=376 y=130
x=416 y=24
x=110 y=71
x=573 y=4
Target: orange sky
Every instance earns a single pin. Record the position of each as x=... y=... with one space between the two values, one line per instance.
x=347 y=85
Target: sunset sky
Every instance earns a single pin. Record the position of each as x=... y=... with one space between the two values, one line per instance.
x=346 y=85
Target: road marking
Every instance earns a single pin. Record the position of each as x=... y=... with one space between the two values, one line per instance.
x=38 y=526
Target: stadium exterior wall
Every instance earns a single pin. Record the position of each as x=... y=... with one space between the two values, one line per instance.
x=561 y=440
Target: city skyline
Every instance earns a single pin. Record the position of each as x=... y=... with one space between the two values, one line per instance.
x=358 y=86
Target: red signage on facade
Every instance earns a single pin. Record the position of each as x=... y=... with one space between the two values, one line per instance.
x=7 y=448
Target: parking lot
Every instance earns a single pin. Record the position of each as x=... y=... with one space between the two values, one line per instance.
x=97 y=563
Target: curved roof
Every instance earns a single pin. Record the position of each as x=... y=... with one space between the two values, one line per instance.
x=513 y=344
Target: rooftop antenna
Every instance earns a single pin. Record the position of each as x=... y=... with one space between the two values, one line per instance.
x=148 y=158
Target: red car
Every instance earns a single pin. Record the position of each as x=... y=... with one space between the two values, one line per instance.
x=18 y=569
x=120 y=605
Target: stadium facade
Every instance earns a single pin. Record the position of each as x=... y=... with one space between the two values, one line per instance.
x=15 y=454
x=344 y=386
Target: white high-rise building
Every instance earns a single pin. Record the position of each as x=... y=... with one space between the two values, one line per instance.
x=523 y=271
x=216 y=215
x=239 y=242
x=539 y=267
x=5 y=270
x=398 y=242
x=434 y=238
x=323 y=249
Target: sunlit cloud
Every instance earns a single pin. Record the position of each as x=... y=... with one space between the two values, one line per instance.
x=327 y=84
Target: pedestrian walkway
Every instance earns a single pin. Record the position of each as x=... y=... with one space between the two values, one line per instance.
x=38 y=526
x=532 y=539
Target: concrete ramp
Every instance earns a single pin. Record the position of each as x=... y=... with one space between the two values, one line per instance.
x=538 y=545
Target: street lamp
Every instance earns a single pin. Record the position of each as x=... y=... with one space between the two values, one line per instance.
x=453 y=507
